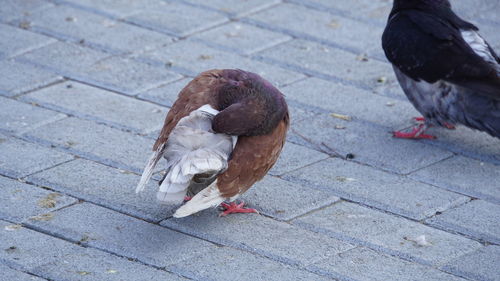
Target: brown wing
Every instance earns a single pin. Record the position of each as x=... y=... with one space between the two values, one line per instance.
x=251 y=160
x=200 y=91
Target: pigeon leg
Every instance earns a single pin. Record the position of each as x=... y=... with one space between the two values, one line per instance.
x=446 y=125
x=187 y=198
x=416 y=133
x=232 y=208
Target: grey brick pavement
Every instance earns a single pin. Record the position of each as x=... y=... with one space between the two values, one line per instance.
x=75 y=25
x=85 y=85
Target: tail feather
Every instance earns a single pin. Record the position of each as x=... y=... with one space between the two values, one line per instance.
x=148 y=170
x=181 y=173
x=208 y=197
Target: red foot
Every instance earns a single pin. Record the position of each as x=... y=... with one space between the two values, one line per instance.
x=416 y=133
x=235 y=208
x=187 y=198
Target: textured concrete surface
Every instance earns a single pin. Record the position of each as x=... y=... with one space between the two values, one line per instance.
x=84 y=88
x=481 y=264
x=21 y=201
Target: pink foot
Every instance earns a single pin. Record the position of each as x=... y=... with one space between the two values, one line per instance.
x=235 y=208
x=187 y=198
x=416 y=133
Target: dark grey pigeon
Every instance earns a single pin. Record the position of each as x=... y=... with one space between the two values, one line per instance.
x=446 y=69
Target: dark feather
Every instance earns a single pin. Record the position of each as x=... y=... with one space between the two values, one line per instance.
x=428 y=45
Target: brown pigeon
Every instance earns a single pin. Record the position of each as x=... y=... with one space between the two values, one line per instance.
x=446 y=69
x=223 y=134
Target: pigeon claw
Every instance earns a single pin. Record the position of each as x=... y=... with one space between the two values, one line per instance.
x=233 y=208
x=419 y=119
x=416 y=133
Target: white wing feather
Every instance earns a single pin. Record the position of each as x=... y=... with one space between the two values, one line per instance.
x=479 y=46
x=148 y=170
x=192 y=148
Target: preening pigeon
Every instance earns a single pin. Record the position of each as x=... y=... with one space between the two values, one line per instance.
x=446 y=69
x=223 y=133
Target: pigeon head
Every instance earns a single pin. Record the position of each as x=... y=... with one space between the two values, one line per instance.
x=253 y=105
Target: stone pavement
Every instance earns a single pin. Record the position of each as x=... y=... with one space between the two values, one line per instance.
x=85 y=85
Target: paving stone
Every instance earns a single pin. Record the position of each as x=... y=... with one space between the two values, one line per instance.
x=113 y=8
x=389 y=86
x=471 y=10
x=64 y=58
x=479 y=265
x=176 y=23
x=116 y=73
x=124 y=235
x=331 y=63
x=258 y=234
x=360 y=139
x=387 y=233
x=375 y=188
x=104 y=106
x=16 y=9
x=230 y=264
x=96 y=31
x=9 y=274
x=17 y=78
x=237 y=8
x=298 y=112
x=366 y=264
x=126 y=75
x=284 y=200
x=489 y=32
x=16 y=41
x=26 y=249
x=467 y=142
x=102 y=143
x=365 y=10
x=317 y=25
x=20 y=158
x=18 y=117
x=201 y=57
x=477 y=218
x=21 y=201
x=242 y=38
x=98 y=266
x=348 y=100
x=295 y=156
x=493 y=150
x=105 y=186
x=463 y=175
x=165 y=94
x=58 y=260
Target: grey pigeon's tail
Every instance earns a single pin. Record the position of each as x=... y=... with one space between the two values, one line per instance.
x=148 y=170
